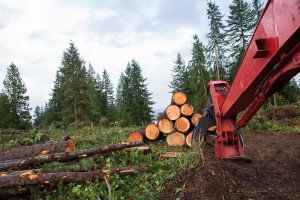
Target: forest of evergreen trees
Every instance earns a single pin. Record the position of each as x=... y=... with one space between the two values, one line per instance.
x=81 y=96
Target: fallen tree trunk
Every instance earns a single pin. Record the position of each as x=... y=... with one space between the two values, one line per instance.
x=186 y=110
x=30 y=151
x=66 y=177
x=14 y=132
x=179 y=98
x=18 y=163
x=165 y=126
x=182 y=124
x=152 y=132
x=176 y=139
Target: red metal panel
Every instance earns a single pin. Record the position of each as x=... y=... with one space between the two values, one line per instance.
x=279 y=27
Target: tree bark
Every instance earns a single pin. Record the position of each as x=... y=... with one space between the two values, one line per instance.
x=66 y=177
x=176 y=139
x=18 y=163
x=179 y=98
x=165 y=126
x=30 y=151
x=186 y=110
x=182 y=124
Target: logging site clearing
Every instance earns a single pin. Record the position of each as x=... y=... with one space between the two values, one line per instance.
x=99 y=163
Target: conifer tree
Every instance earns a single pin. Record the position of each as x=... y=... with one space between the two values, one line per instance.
x=95 y=95
x=15 y=90
x=178 y=82
x=5 y=116
x=133 y=95
x=216 y=42
x=198 y=76
x=241 y=21
x=108 y=93
x=70 y=102
x=257 y=9
x=39 y=115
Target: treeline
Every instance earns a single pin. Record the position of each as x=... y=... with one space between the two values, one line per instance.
x=227 y=41
x=81 y=96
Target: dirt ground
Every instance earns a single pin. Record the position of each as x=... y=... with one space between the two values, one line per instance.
x=274 y=172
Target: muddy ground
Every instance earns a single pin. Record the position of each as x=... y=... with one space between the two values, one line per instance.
x=273 y=173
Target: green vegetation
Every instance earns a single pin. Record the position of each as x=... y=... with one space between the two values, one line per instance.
x=140 y=186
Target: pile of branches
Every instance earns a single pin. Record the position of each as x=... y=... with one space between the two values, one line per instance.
x=175 y=124
x=19 y=167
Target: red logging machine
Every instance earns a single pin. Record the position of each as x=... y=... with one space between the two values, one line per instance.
x=271 y=60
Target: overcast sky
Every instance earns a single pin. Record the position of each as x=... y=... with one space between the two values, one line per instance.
x=108 y=34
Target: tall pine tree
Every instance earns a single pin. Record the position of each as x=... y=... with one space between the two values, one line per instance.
x=241 y=21
x=257 y=9
x=178 y=82
x=108 y=106
x=216 y=42
x=198 y=76
x=70 y=102
x=15 y=90
x=5 y=116
x=133 y=95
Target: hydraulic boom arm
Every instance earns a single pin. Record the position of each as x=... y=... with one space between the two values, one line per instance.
x=270 y=61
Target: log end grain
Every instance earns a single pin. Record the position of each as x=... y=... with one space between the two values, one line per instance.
x=182 y=124
x=176 y=139
x=195 y=118
x=135 y=137
x=186 y=109
x=152 y=132
x=179 y=98
x=165 y=125
x=71 y=146
x=173 y=112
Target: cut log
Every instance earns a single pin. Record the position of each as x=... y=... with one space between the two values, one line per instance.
x=172 y=112
x=176 y=139
x=14 y=132
x=188 y=139
x=30 y=151
x=152 y=132
x=136 y=136
x=66 y=177
x=195 y=118
x=165 y=126
x=186 y=109
x=179 y=98
x=182 y=124
x=19 y=163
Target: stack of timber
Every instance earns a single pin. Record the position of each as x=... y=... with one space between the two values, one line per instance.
x=175 y=124
x=22 y=167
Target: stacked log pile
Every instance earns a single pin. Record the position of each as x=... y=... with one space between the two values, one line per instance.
x=18 y=166
x=175 y=124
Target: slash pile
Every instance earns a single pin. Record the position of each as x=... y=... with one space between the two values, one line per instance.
x=18 y=166
x=175 y=124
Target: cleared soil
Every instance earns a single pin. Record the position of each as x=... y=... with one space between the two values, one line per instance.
x=272 y=173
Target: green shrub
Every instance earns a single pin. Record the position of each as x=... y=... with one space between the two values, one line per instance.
x=103 y=122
